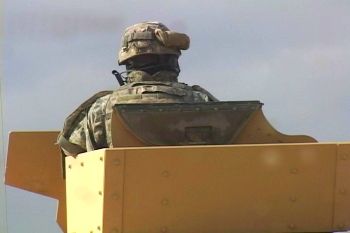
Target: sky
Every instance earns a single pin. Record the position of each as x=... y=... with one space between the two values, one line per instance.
x=291 y=55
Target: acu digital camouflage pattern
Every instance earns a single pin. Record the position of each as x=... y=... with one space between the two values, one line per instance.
x=89 y=127
x=151 y=38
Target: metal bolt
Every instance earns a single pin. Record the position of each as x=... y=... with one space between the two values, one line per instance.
x=341 y=226
x=115 y=230
x=164 y=229
x=116 y=162
x=294 y=171
x=291 y=226
x=115 y=196
x=165 y=202
x=165 y=173
x=343 y=191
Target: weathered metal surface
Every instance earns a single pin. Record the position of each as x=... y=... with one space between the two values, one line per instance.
x=241 y=122
x=187 y=123
x=113 y=195
x=235 y=188
x=34 y=163
x=259 y=131
x=230 y=189
x=342 y=189
x=95 y=192
x=85 y=186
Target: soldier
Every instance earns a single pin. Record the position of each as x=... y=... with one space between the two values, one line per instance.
x=150 y=52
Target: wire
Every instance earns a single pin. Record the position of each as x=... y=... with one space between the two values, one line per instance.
x=3 y=208
x=3 y=222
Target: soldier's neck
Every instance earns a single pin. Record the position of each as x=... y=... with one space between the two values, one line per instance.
x=161 y=76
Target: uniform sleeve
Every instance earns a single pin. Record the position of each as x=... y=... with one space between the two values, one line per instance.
x=74 y=142
x=95 y=128
x=78 y=136
x=89 y=133
x=204 y=94
x=84 y=129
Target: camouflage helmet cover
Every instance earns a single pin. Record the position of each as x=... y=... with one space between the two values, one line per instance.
x=151 y=38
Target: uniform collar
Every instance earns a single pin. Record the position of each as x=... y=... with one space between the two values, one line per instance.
x=161 y=76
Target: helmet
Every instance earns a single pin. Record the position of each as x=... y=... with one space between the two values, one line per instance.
x=151 y=38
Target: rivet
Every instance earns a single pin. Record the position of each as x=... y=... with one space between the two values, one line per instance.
x=116 y=162
x=291 y=226
x=82 y=164
x=98 y=228
x=70 y=166
x=101 y=159
x=165 y=202
x=293 y=199
x=216 y=109
x=115 y=230
x=115 y=196
x=343 y=191
x=294 y=171
x=165 y=173
x=234 y=108
x=91 y=231
x=99 y=192
x=197 y=109
x=160 y=110
x=164 y=229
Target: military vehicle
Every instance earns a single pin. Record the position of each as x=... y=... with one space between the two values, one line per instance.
x=189 y=168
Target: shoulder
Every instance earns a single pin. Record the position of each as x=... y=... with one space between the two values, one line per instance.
x=201 y=90
x=79 y=113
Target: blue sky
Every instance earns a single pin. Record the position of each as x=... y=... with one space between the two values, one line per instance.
x=291 y=55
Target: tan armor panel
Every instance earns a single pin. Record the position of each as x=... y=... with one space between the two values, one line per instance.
x=235 y=188
x=34 y=163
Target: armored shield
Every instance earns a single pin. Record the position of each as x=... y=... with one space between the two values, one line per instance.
x=187 y=123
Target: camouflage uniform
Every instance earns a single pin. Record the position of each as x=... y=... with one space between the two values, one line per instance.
x=89 y=127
